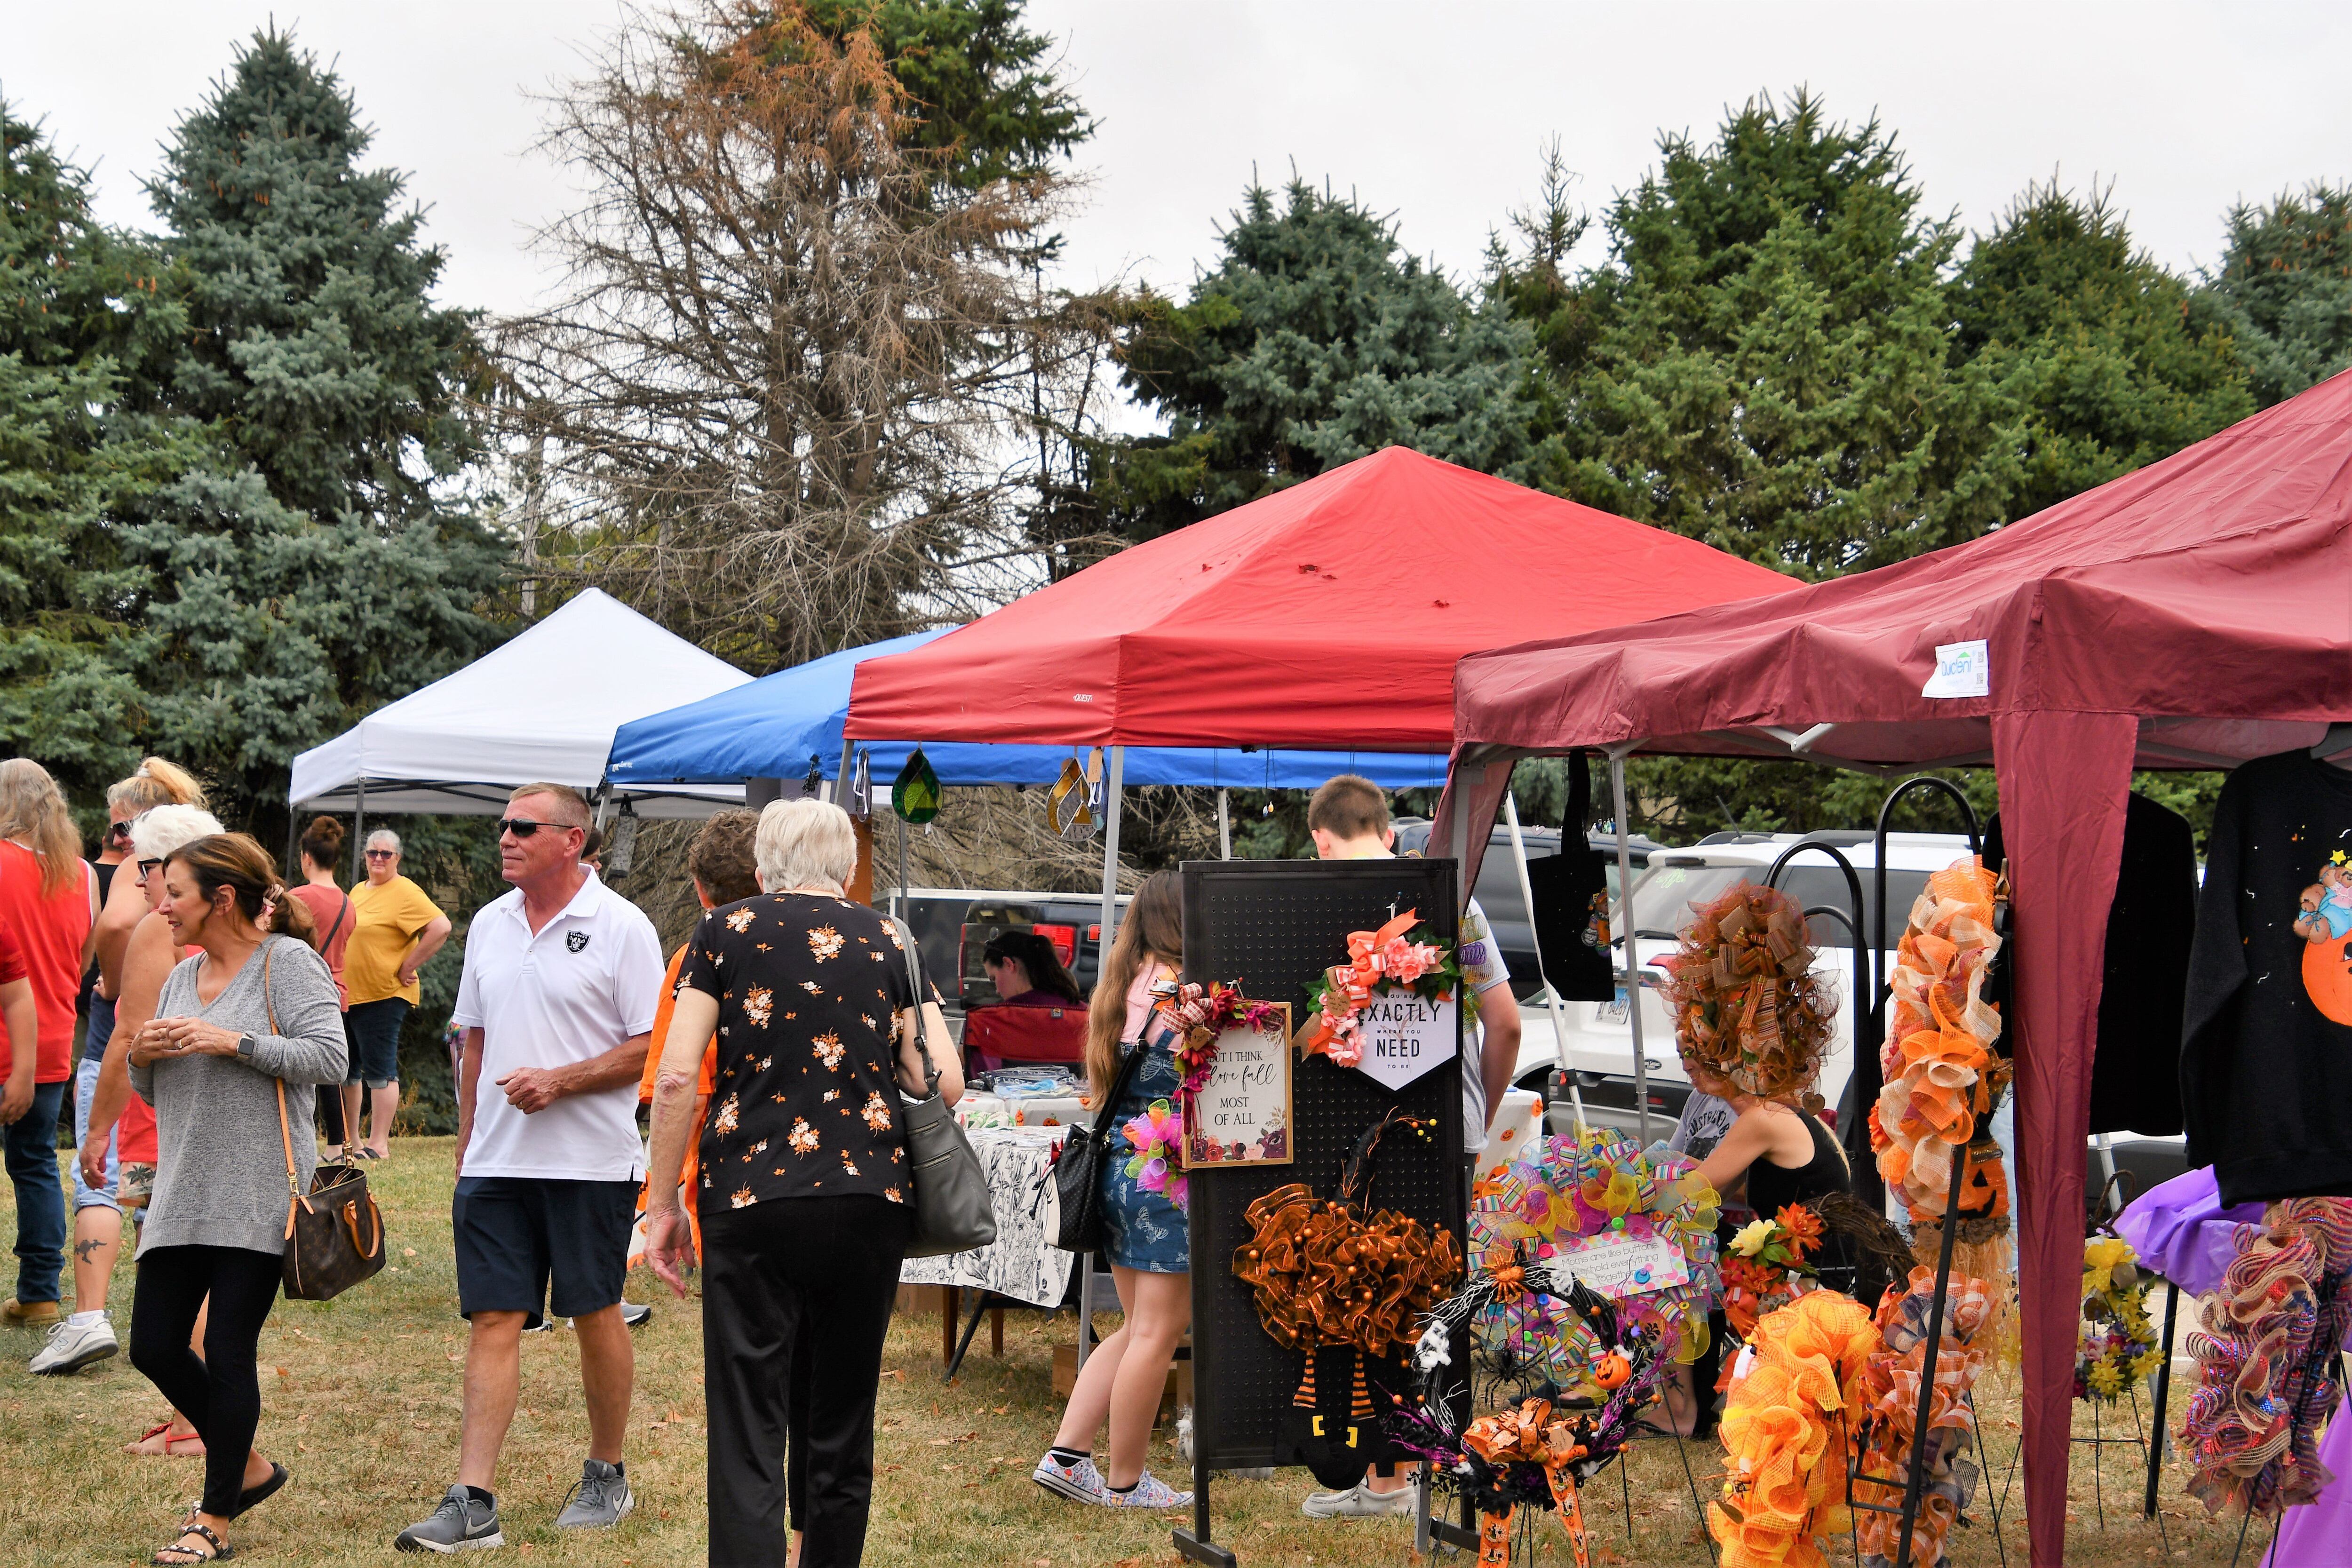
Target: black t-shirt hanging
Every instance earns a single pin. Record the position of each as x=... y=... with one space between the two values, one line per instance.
x=2266 y=1053
x=1571 y=902
x=2135 y=1068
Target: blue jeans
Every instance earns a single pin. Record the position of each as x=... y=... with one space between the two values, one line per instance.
x=31 y=1145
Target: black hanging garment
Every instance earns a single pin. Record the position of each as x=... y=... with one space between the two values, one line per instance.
x=2266 y=1054
x=1571 y=902
x=2135 y=1068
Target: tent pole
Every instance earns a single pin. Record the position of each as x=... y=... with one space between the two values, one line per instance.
x=1224 y=824
x=359 y=831
x=898 y=905
x=1552 y=996
x=1110 y=854
x=1632 y=941
x=841 y=776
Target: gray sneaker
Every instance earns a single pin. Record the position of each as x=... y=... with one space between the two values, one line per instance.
x=1358 y=1501
x=73 y=1346
x=600 y=1500
x=459 y=1524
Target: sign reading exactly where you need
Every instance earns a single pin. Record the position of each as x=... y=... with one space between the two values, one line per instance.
x=1404 y=1037
x=1242 y=1115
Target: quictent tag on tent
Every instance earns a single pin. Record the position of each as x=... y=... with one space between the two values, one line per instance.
x=1962 y=669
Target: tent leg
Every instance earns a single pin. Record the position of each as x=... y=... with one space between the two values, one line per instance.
x=1224 y=824
x=898 y=897
x=1552 y=996
x=1110 y=854
x=1633 y=941
x=359 y=832
x=841 y=778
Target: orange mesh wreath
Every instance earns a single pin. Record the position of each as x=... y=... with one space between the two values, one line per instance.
x=1941 y=1074
x=1746 y=1005
x=1786 y=1429
x=1891 y=1397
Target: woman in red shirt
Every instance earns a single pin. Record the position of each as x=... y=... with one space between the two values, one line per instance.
x=48 y=898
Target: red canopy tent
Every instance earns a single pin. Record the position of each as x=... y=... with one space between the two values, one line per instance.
x=2193 y=614
x=1327 y=616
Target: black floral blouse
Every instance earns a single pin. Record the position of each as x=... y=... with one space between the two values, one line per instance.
x=805 y=1101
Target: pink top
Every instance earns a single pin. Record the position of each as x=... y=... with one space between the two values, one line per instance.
x=1138 y=999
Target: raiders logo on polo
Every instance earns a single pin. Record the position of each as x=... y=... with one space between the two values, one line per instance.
x=574 y=941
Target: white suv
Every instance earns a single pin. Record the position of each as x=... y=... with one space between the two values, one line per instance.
x=1600 y=1037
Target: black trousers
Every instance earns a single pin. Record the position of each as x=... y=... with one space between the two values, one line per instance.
x=219 y=1391
x=784 y=1281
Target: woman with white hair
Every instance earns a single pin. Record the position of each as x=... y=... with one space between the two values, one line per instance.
x=807 y=1207
x=395 y=932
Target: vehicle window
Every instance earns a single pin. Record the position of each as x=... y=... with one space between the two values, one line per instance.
x=1665 y=896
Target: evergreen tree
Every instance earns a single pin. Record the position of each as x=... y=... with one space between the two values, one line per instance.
x=1764 y=362
x=316 y=566
x=1314 y=342
x=2284 y=289
x=85 y=314
x=2093 y=343
x=983 y=87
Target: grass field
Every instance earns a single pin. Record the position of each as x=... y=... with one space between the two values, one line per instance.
x=361 y=1399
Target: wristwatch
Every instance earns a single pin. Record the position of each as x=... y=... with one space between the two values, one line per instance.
x=245 y=1048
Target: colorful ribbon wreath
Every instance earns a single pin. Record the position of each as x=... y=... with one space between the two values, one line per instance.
x=2117 y=1344
x=1328 y=1273
x=1156 y=1139
x=1787 y=1428
x=1765 y=1266
x=1536 y=1453
x=1746 y=1005
x=1575 y=1190
x=1402 y=954
x=1938 y=1057
x=1892 y=1383
x=2267 y=1369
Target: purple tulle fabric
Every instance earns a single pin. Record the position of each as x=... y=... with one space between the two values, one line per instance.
x=2320 y=1536
x=2182 y=1231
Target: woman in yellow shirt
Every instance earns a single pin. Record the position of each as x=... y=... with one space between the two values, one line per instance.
x=395 y=931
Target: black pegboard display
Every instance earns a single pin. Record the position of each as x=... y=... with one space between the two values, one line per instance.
x=1274 y=926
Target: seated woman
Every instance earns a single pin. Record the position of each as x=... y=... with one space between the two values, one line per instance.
x=1039 y=1015
x=1781 y=1155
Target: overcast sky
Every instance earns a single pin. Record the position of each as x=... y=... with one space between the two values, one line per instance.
x=1435 y=113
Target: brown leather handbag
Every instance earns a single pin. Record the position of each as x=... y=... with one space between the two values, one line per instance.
x=334 y=1234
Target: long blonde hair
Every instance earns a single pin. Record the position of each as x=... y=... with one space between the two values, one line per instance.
x=33 y=809
x=1153 y=928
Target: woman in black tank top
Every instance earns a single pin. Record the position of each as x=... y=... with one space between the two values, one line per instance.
x=1771 y=1186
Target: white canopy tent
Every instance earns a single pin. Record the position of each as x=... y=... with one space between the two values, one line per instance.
x=541 y=707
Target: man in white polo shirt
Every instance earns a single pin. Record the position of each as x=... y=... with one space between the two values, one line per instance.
x=557 y=1005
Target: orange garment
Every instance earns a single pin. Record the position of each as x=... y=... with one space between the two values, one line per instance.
x=709 y=1078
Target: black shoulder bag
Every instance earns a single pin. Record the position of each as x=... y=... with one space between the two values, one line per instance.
x=1571 y=902
x=953 y=1210
x=1077 y=1170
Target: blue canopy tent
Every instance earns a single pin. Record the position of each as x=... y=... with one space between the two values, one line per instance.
x=783 y=725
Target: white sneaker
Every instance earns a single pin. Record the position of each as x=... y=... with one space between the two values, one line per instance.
x=1358 y=1501
x=73 y=1346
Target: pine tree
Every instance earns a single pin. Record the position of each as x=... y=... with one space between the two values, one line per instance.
x=85 y=314
x=317 y=565
x=2093 y=342
x=2284 y=289
x=1764 y=360
x=1314 y=342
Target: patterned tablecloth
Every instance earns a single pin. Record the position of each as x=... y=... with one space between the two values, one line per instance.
x=1022 y=1263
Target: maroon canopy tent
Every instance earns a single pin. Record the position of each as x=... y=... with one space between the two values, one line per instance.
x=2193 y=614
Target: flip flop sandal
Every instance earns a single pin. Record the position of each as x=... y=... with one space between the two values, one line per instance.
x=172 y=1445
x=252 y=1498
x=175 y=1555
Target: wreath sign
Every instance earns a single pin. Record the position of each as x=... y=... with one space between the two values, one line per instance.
x=1405 y=955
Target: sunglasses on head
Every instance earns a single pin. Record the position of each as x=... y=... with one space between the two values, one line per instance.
x=523 y=826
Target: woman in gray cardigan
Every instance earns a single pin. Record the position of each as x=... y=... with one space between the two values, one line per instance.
x=252 y=1013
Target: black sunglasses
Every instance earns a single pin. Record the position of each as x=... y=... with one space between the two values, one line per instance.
x=147 y=866
x=523 y=826
x=382 y=854
x=119 y=831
